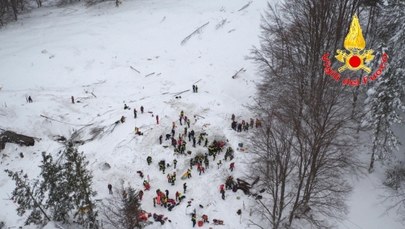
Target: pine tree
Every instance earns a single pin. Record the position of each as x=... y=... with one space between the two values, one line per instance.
x=79 y=181
x=386 y=97
x=383 y=104
x=122 y=211
x=28 y=197
x=131 y=208
x=64 y=186
x=59 y=200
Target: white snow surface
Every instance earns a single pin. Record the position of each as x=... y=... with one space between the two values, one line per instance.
x=54 y=53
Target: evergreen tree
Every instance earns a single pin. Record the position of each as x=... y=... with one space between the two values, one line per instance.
x=386 y=97
x=28 y=197
x=79 y=181
x=59 y=201
x=131 y=208
x=122 y=211
x=64 y=186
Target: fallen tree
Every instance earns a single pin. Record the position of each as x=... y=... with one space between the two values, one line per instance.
x=12 y=137
x=197 y=31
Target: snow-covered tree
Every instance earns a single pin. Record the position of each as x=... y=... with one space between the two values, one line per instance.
x=383 y=105
x=306 y=108
x=386 y=97
x=28 y=197
x=54 y=184
x=123 y=209
x=79 y=185
x=64 y=186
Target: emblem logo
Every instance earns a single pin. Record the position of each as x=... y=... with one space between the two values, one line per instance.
x=354 y=57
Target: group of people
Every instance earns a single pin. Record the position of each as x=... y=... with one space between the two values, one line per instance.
x=195 y=88
x=163 y=199
x=244 y=126
x=200 y=162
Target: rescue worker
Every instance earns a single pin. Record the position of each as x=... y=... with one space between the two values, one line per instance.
x=193 y=219
x=232 y=166
x=205 y=218
x=140 y=195
x=110 y=189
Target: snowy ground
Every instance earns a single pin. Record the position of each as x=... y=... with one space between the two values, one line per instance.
x=54 y=53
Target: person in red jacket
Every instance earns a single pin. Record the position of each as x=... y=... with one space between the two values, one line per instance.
x=146 y=185
x=205 y=218
x=222 y=191
x=232 y=166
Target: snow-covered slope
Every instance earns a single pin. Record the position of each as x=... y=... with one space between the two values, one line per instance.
x=55 y=53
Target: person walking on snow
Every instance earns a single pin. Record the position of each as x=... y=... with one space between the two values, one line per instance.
x=206 y=162
x=110 y=189
x=189 y=173
x=201 y=170
x=219 y=163
x=140 y=195
x=135 y=112
x=232 y=166
x=188 y=123
x=193 y=219
x=141 y=109
x=157 y=119
x=174 y=163
x=146 y=185
x=149 y=160
x=174 y=178
x=184 y=188
x=222 y=191
x=205 y=218
x=160 y=139
x=200 y=138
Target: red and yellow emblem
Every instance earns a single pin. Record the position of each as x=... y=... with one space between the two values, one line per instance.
x=354 y=57
x=354 y=43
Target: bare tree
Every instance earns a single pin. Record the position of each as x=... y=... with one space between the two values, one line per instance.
x=272 y=160
x=313 y=109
